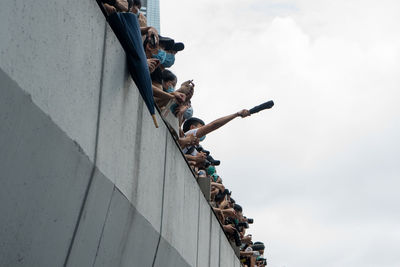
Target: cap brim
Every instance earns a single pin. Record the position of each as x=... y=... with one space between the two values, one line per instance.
x=178 y=47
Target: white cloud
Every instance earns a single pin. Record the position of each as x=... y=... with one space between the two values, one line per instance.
x=319 y=171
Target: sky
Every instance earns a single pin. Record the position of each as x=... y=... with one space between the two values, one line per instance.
x=320 y=172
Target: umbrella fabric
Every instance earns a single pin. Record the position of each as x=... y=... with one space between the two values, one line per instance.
x=266 y=105
x=127 y=30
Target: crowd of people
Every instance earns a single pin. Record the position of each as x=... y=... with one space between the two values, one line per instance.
x=160 y=53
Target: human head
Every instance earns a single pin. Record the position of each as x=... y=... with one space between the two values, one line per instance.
x=239 y=211
x=151 y=45
x=260 y=261
x=214 y=177
x=192 y=123
x=168 y=59
x=169 y=45
x=168 y=79
x=237 y=208
x=171 y=48
x=136 y=5
x=211 y=170
x=231 y=202
x=219 y=197
x=258 y=246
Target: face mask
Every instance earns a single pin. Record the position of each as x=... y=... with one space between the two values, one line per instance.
x=161 y=55
x=169 y=60
x=170 y=89
x=202 y=138
x=188 y=113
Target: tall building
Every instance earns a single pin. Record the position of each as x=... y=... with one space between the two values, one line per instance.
x=151 y=8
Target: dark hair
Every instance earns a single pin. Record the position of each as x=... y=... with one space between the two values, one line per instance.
x=232 y=200
x=156 y=75
x=219 y=197
x=190 y=122
x=168 y=76
x=137 y=3
x=258 y=247
x=237 y=207
x=151 y=40
x=110 y=2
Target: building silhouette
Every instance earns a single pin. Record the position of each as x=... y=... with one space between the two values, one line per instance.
x=151 y=8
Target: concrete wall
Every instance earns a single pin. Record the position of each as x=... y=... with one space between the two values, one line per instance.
x=86 y=178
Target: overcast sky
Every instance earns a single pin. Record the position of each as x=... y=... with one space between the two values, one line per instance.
x=320 y=172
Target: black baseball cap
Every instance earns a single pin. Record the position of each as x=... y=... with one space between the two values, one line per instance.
x=169 y=44
x=178 y=47
x=190 y=122
x=166 y=42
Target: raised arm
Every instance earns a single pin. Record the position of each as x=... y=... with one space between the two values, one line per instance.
x=214 y=125
x=149 y=30
x=159 y=92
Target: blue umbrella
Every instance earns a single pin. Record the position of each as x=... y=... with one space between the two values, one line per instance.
x=127 y=30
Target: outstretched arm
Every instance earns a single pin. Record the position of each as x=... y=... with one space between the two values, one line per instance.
x=212 y=126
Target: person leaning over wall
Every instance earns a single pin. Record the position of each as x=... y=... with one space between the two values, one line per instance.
x=200 y=129
x=166 y=57
x=183 y=110
x=151 y=47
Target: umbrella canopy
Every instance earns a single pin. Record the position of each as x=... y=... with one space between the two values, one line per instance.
x=266 y=105
x=127 y=30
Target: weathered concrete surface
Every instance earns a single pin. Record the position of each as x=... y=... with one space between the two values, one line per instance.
x=87 y=180
x=176 y=172
x=203 y=242
x=150 y=170
x=226 y=253
x=236 y=263
x=118 y=116
x=91 y=226
x=127 y=137
x=214 y=242
x=167 y=255
x=127 y=237
x=191 y=218
x=54 y=52
x=43 y=180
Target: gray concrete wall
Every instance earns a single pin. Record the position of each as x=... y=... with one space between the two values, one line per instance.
x=86 y=178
